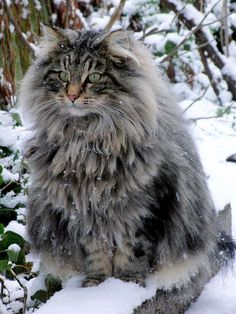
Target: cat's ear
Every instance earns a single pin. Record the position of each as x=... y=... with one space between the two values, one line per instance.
x=51 y=34
x=120 y=45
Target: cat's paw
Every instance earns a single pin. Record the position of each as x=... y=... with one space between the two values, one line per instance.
x=136 y=279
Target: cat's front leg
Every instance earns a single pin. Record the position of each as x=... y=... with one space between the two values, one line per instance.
x=131 y=263
x=97 y=263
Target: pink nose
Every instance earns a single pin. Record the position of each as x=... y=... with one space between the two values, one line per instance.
x=72 y=97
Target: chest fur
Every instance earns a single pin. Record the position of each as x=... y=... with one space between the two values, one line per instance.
x=99 y=183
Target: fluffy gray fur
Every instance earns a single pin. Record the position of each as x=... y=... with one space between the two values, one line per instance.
x=117 y=188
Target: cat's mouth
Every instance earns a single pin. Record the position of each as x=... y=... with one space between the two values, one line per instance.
x=80 y=103
x=79 y=107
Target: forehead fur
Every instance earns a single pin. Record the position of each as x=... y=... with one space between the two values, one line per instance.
x=119 y=45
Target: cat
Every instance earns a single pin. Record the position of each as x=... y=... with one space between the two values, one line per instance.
x=117 y=187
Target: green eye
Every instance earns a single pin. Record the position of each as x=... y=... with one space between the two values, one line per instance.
x=64 y=76
x=94 y=77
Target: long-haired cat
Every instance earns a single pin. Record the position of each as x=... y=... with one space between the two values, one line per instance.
x=117 y=188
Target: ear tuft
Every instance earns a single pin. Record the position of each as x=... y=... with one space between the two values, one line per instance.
x=51 y=33
x=121 y=46
x=51 y=36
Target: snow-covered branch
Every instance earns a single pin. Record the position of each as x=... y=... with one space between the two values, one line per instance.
x=115 y=16
x=193 y=20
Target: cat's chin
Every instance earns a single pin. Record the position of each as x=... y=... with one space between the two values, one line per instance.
x=77 y=111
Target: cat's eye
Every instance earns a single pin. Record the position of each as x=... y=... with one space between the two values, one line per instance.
x=94 y=77
x=64 y=76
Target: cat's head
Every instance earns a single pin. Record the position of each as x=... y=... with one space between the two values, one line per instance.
x=91 y=74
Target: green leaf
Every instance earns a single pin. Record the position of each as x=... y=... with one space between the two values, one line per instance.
x=40 y=295
x=17 y=189
x=186 y=47
x=223 y=111
x=169 y=46
x=1 y=228
x=5 y=209
x=1 y=180
x=17 y=119
x=5 y=151
x=21 y=258
x=9 y=238
x=7 y=214
x=16 y=156
x=4 y=265
x=52 y=284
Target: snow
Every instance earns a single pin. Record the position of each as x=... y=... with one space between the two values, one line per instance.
x=218 y=297
x=9 y=136
x=14 y=247
x=100 y=23
x=230 y=68
x=12 y=28
x=15 y=289
x=81 y=17
x=58 y=2
x=113 y=296
x=116 y=297
x=131 y=7
x=17 y=228
x=11 y=199
x=8 y=176
x=5 y=118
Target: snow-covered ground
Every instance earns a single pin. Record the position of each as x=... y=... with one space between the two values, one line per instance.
x=216 y=140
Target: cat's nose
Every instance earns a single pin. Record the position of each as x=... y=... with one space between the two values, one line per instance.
x=72 y=97
x=73 y=91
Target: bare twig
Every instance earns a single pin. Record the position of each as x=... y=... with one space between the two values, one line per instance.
x=225 y=110
x=8 y=184
x=68 y=8
x=195 y=48
x=23 y=287
x=154 y=31
x=224 y=28
x=205 y=118
x=17 y=28
x=3 y=286
x=209 y=73
x=115 y=16
x=217 y=20
x=177 y=14
x=195 y=100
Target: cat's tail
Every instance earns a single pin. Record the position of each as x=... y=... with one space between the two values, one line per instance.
x=226 y=246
